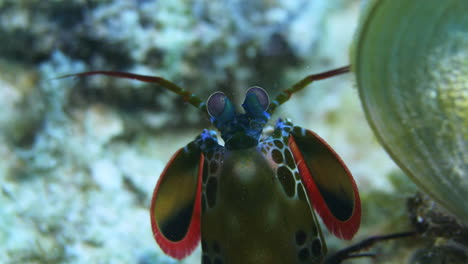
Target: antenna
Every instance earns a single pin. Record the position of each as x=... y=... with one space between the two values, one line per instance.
x=286 y=94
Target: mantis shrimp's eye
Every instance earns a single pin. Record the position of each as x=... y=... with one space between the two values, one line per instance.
x=261 y=95
x=216 y=104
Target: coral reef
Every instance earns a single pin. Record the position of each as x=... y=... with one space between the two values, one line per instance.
x=81 y=157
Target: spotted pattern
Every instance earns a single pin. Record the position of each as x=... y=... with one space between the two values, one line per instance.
x=211 y=171
x=316 y=247
x=301 y=237
x=277 y=156
x=297 y=176
x=286 y=179
x=276 y=149
x=284 y=171
x=301 y=192
x=289 y=158
x=278 y=143
x=309 y=246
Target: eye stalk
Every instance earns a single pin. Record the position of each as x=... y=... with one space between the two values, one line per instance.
x=239 y=130
x=220 y=107
x=256 y=102
x=215 y=104
x=262 y=96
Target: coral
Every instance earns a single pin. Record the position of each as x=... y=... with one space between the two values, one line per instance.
x=81 y=157
x=446 y=239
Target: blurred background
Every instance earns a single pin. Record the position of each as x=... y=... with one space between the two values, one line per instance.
x=80 y=158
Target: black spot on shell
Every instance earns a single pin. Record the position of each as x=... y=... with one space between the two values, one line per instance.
x=316 y=247
x=289 y=159
x=211 y=189
x=301 y=237
x=277 y=156
x=301 y=192
x=278 y=143
x=213 y=167
x=206 y=260
x=303 y=254
x=286 y=179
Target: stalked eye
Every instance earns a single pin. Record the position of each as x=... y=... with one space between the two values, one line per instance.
x=261 y=95
x=216 y=103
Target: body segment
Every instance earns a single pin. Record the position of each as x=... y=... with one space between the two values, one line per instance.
x=269 y=219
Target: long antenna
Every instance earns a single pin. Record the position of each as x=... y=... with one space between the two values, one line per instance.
x=286 y=94
x=186 y=95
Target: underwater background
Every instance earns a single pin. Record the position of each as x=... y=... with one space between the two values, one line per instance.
x=81 y=157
